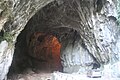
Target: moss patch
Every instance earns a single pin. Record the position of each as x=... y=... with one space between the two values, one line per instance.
x=6 y=36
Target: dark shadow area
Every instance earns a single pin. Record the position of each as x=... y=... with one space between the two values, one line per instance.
x=41 y=54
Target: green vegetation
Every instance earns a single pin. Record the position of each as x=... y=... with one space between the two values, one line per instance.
x=6 y=36
x=5 y=6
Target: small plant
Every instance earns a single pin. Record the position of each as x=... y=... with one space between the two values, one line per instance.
x=6 y=36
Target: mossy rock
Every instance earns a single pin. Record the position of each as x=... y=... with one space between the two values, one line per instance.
x=6 y=36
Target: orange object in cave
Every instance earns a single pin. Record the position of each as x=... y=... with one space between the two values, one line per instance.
x=46 y=48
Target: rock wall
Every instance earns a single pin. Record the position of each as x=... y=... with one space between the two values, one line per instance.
x=14 y=14
x=45 y=49
x=75 y=58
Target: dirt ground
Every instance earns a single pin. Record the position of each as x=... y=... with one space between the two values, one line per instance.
x=42 y=75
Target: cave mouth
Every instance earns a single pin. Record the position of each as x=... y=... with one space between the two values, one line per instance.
x=40 y=55
x=51 y=42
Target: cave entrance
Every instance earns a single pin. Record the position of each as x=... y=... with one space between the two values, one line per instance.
x=44 y=50
x=40 y=53
x=38 y=49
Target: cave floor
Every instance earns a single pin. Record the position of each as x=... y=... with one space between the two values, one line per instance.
x=32 y=75
x=42 y=75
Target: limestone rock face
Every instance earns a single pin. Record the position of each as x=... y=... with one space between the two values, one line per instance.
x=87 y=29
x=14 y=14
x=6 y=55
x=76 y=58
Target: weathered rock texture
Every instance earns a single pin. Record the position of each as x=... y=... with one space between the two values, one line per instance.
x=14 y=14
x=46 y=49
x=87 y=29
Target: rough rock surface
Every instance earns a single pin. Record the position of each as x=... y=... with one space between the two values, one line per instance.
x=64 y=76
x=87 y=29
x=45 y=49
x=14 y=14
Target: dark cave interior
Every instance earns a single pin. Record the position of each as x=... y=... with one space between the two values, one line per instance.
x=45 y=48
x=41 y=54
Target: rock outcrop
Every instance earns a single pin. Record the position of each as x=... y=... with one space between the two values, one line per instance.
x=87 y=29
x=14 y=14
